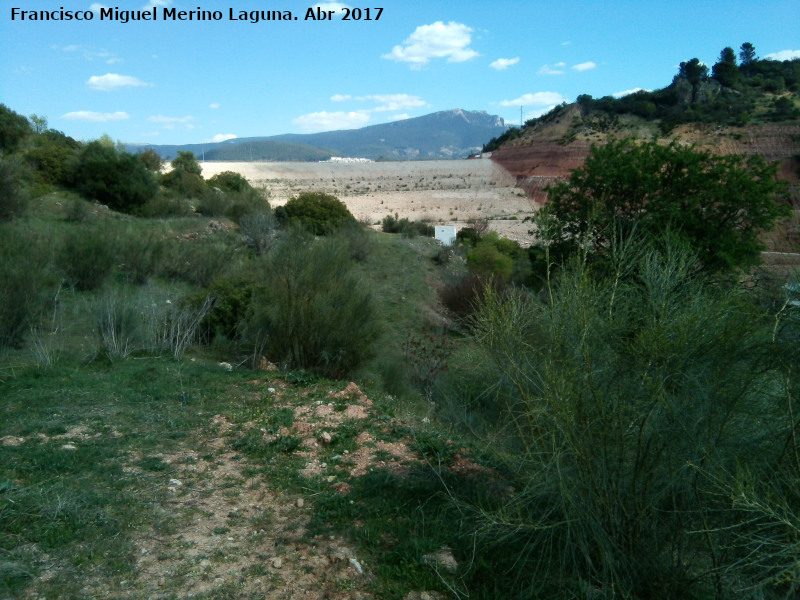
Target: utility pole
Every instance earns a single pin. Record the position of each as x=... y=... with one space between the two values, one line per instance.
x=520 y=117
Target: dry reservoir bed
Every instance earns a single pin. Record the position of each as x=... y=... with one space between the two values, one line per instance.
x=446 y=192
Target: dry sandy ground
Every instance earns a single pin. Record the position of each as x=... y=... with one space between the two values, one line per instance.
x=446 y=192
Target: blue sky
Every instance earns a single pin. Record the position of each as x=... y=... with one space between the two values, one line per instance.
x=191 y=81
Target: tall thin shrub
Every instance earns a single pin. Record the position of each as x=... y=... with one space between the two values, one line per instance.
x=616 y=403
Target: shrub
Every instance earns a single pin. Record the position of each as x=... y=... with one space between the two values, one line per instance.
x=198 y=262
x=500 y=258
x=231 y=301
x=620 y=406
x=211 y=202
x=313 y=312
x=358 y=239
x=468 y=235
x=258 y=230
x=24 y=283
x=317 y=212
x=139 y=254
x=86 y=256
x=409 y=229
x=462 y=296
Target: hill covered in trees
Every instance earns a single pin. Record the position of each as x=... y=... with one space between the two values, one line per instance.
x=731 y=93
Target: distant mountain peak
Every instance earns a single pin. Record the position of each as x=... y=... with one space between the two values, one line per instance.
x=448 y=134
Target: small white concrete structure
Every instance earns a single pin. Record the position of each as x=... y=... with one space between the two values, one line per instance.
x=445 y=234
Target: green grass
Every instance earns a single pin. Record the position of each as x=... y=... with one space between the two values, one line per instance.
x=69 y=497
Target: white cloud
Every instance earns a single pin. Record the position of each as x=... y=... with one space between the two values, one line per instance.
x=112 y=81
x=436 y=40
x=330 y=121
x=501 y=64
x=783 y=55
x=552 y=69
x=401 y=117
x=340 y=97
x=566 y=43
x=90 y=54
x=628 y=92
x=393 y=101
x=537 y=99
x=335 y=6
x=214 y=105
x=97 y=7
x=224 y=137
x=587 y=66
x=95 y=117
x=152 y=3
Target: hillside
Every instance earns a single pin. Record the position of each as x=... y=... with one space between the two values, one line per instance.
x=757 y=111
x=441 y=135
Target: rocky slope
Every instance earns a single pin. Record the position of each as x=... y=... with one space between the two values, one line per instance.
x=550 y=149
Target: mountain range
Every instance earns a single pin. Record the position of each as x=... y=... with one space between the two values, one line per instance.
x=446 y=134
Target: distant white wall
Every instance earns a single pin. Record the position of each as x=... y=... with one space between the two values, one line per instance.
x=445 y=234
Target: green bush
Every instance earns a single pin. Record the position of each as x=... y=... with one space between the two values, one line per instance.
x=199 y=261
x=317 y=212
x=117 y=179
x=258 y=228
x=13 y=188
x=409 y=229
x=139 y=254
x=501 y=258
x=85 y=256
x=313 y=311
x=231 y=302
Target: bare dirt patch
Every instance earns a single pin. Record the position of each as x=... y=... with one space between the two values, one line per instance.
x=218 y=527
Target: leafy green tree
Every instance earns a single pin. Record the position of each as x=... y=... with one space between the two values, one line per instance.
x=186 y=161
x=115 y=178
x=14 y=128
x=693 y=70
x=718 y=204
x=185 y=178
x=151 y=159
x=318 y=212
